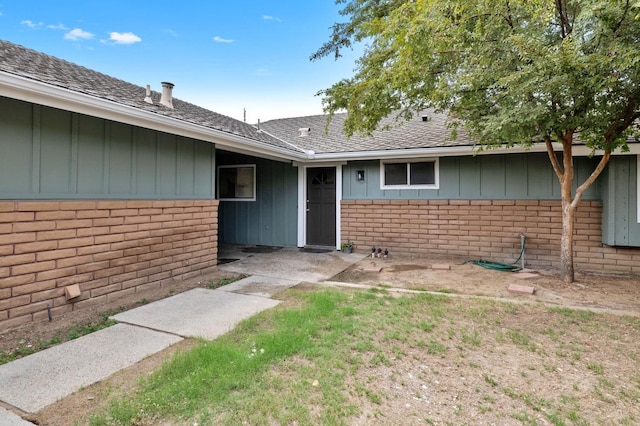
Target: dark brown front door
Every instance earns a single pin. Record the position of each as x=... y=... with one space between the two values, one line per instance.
x=321 y=206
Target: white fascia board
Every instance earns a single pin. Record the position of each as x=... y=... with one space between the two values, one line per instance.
x=28 y=90
x=419 y=152
x=456 y=151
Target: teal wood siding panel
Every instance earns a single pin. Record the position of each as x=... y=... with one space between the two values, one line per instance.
x=186 y=167
x=167 y=164
x=516 y=175
x=272 y=218
x=508 y=177
x=204 y=170
x=91 y=141
x=51 y=153
x=540 y=177
x=120 y=159
x=493 y=182
x=469 y=171
x=449 y=178
x=16 y=146
x=146 y=162
x=55 y=151
x=620 y=225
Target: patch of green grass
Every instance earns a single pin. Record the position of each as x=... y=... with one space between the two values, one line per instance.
x=213 y=284
x=520 y=338
x=322 y=354
x=490 y=380
x=595 y=367
x=575 y=315
x=435 y=348
x=472 y=338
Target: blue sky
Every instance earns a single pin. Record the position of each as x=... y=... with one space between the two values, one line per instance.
x=222 y=55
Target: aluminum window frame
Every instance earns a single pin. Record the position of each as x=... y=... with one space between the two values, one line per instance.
x=436 y=171
x=238 y=166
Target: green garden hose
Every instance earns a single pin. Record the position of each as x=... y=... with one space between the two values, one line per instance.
x=504 y=267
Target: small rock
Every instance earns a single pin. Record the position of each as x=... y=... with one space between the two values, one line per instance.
x=315 y=383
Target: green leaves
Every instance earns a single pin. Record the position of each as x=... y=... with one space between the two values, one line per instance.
x=510 y=71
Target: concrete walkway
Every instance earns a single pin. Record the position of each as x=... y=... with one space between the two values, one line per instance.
x=31 y=383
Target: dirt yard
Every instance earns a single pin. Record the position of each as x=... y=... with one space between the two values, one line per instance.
x=598 y=292
x=617 y=295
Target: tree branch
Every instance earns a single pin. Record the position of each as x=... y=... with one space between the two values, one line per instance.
x=592 y=177
x=554 y=160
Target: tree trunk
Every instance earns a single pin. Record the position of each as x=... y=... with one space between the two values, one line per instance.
x=568 y=208
x=566 y=242
x=569 y=202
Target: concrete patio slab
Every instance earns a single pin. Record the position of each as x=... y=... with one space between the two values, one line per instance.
x=7 y=418
x=33 y=382
x=198 y=312
x=288 y=263
x=259 y=286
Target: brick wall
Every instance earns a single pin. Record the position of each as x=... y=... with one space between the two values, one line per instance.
x=487 y=229
x=111 y=249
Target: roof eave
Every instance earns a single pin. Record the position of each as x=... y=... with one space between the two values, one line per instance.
x=456 y=151
x=25 y=89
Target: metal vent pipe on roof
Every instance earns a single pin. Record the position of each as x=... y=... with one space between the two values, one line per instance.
x=304 y=131
x=147 y=98
x=167 y=94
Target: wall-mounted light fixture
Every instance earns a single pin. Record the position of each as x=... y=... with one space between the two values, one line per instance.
x=360 y=175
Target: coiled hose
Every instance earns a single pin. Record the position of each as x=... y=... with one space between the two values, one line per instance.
x=504 y=267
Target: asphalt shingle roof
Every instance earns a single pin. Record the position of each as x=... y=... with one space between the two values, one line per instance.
x=412 y=134
x=31 y=64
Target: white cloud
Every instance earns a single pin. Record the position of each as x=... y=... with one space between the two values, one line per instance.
x=124 y=38
x=222 y=40
x=271 y=18
x=31 y=24
x=78 y=34
x=57 y=27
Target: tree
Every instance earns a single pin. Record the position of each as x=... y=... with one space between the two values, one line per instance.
x=512 y=72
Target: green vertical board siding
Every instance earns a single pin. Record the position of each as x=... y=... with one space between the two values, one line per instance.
x=51 y=153
x=204 y=169
x=186 y=167
x=501 y=176
x=469 y=171
x=516 y=181
x=90 y=176
x=272 y=218
x=540 y=177
x=493 y=181
x=16 y=146
x=145 y=162
x=55 y=151
x=620 y=203
x=167 y=164
x=120 y=159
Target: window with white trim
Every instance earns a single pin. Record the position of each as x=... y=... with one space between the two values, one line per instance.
x=237 y=183
x=410 y=174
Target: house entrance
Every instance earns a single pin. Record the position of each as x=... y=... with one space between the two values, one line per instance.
x=321 y=206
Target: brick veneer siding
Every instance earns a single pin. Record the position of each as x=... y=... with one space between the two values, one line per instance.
x=111 y=249
x=487 y=229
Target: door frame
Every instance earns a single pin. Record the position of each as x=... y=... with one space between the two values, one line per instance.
x=302 y=199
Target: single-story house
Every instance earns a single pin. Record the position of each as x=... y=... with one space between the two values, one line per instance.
x=115 y=188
